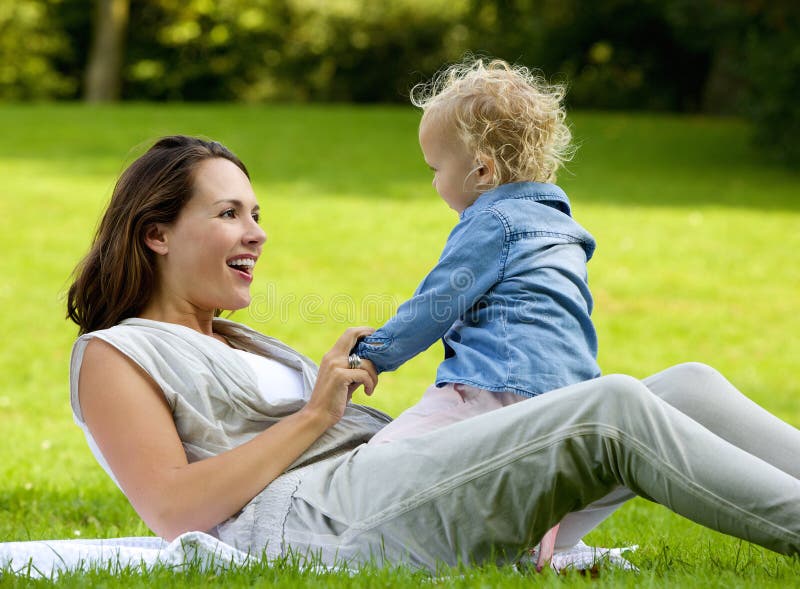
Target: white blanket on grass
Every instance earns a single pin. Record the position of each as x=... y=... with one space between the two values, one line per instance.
x=49 y=558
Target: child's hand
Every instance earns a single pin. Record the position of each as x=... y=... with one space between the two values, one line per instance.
x=373 y=372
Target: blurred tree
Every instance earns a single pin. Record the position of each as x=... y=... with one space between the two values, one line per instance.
x=755 y=64
x=30 y=44
x=103 y=71
x=343 y=50
x=617 y=54
x=75 y=20
x=713 y=28
x=716 y=56
x=203 y=49
x=772 y=65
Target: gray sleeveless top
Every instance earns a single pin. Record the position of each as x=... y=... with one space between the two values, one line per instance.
x=215 y=402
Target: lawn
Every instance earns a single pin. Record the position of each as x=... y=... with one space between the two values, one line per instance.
x=698 y=241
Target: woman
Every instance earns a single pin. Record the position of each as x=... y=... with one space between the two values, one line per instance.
x=206 y=424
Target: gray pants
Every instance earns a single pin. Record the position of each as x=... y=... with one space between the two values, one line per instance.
x=486 y=488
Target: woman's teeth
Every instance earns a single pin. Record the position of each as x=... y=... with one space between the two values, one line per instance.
x=245 y=264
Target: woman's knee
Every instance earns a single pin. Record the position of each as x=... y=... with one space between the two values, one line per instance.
x=617 y=399
x=624 y=390
x=694 y=372
x=689 y=377
x=689 y=385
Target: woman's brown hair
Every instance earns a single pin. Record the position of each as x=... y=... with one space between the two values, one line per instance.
x=117 y=277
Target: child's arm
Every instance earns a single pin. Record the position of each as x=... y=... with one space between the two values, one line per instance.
x=469 y=266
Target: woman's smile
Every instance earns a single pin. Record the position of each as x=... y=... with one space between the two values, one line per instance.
x=243 y=266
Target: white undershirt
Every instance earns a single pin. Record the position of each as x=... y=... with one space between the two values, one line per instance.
x=277 y=382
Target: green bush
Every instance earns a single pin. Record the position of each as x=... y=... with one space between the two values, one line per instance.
x=253 y=50
x=773 y=68
x=31 y=43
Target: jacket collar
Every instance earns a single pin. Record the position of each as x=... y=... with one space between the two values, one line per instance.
x=548 y=194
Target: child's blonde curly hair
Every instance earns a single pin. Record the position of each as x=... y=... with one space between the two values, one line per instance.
x=507 y=113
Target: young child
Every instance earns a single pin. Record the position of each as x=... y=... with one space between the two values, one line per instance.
x=509 y=295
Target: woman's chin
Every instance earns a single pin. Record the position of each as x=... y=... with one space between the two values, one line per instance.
x=240 y=303
x=231 y=304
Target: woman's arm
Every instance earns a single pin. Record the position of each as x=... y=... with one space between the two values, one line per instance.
x=132 y=425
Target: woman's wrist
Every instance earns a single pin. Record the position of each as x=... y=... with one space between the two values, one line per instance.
x=316 y=418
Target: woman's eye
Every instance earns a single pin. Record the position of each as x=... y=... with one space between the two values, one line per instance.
x=228 y=213
x=256 y=217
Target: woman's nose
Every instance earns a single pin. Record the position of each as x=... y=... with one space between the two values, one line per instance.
x=255 y=234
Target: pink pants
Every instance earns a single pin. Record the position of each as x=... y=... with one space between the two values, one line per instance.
x=444 y=406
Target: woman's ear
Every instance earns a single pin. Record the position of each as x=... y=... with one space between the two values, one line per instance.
x=156 y=238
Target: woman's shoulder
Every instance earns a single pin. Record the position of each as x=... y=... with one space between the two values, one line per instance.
x=103 y=347
x=101 y=356
x=103 y=343
x=143 y=342
x=138 y=329
x=126 y=327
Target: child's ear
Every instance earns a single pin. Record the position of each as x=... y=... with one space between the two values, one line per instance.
x=156 y=238
x=485 y=169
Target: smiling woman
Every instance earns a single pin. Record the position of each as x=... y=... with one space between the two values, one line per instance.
x=215 y=238
x=177 y=244
x=119 y=275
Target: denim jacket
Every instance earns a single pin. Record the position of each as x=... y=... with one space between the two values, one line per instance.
x=509 y=298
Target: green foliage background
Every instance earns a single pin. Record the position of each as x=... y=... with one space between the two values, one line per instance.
x=713 y=56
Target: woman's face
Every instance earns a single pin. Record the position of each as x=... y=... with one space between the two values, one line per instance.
x=213 y=245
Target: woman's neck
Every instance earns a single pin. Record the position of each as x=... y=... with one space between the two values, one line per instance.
x=200 y=320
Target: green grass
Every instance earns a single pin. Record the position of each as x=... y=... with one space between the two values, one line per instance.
x=697 y=260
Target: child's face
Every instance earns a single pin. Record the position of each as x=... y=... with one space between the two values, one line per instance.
x=454 y=167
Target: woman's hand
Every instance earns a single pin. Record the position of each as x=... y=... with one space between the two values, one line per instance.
x=336 y=381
